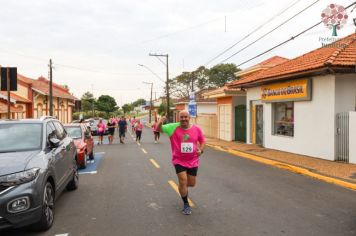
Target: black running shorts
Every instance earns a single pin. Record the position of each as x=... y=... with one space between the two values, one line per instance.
x=190 y=171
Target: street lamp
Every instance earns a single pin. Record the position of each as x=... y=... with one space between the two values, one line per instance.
x=150 y=112
x=155 y=74
x=167 y=82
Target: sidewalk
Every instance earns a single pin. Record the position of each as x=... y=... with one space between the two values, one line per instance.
x=334 y=172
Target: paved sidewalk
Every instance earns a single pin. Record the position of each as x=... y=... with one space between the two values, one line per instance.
x=338 y=171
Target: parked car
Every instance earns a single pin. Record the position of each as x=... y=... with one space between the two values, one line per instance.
x=93 y=125
x=37 y=162
x=83 y=141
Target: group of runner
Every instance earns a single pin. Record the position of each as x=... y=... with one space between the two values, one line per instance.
x=187 y=144
x=122 y=125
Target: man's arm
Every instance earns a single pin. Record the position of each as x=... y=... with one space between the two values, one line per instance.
x=160 y=123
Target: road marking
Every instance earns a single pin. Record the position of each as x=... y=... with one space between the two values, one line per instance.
x=155 y=163
x=144 y=151
x=62 y=234
x=175 y=187
x=89 y=172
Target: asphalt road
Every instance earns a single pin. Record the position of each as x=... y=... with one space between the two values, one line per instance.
x=129 y=195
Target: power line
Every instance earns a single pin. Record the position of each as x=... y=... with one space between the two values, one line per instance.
x=286 y=41
x=253 y=31
x=283 y=23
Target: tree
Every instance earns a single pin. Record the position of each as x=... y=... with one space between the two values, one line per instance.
x=87 y=101
x=139 y=102
x=202 y=78
x=127 y=108
x=221 y=74
x=107 y=104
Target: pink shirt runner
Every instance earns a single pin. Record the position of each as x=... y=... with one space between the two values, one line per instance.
x=139 y=127
x=184 y=144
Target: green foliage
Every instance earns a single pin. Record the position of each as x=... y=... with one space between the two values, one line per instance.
x=127 y=108
x=139 y=102
x=221 y=74
x=106 y=104
x=202 y=78
x=162 y=109
x=87 y=101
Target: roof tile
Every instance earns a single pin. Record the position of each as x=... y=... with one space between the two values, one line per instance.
x=342 y=53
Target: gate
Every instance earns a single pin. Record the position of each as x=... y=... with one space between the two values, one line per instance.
x=240 y=123
x=342 y=137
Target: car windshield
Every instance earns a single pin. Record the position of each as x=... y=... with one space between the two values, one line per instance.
x=20 y=137
x=74 y=132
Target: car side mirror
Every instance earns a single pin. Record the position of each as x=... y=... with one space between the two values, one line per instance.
x=54 y=142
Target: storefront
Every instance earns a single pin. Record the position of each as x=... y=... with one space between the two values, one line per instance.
x=296 y=108
x=298 y=116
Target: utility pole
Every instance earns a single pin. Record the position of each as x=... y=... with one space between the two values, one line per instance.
x=167 y=83
x=8 y=93
x=50 y=89
x=150 y=112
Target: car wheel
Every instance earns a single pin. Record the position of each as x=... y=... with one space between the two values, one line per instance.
x=74 y=183
x=47 y=215
x=85 y=161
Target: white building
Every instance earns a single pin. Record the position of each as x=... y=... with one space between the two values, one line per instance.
x=306 y=105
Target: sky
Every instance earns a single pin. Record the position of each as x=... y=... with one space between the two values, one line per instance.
x=97 y=46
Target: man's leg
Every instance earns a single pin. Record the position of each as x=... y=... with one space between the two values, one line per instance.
x=191 y=180
x=183 y=190
x=183 y=183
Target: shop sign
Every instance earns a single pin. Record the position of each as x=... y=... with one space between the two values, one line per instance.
x=296 y=90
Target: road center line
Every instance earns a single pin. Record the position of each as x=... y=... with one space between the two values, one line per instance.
x=144 y=151
x=175 y=187
x=155 y=163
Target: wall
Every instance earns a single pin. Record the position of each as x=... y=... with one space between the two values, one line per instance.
x=39 y=99
x=314 y=127
x=224 y=100
x=206 y=108
x=22 y=91
x=352 y=138
x=208 y=123
x=345 y=92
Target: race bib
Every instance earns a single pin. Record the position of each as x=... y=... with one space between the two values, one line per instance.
x=186 y=148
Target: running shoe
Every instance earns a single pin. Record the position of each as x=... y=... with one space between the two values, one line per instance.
x=186 y=210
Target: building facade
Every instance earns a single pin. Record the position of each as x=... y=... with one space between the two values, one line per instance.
x=296 y=106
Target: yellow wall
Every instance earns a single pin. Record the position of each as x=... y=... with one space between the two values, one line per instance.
x=57 y=110
x=21 y=91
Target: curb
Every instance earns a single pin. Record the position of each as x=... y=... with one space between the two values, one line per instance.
x=289 y=167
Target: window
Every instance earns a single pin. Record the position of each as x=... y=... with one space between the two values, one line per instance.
x=283 y=118
x=24 y=137
x=74 y=132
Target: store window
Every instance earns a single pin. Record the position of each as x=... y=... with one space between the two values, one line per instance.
x=283 y=118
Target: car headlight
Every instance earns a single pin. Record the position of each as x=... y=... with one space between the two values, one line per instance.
x=19 y=177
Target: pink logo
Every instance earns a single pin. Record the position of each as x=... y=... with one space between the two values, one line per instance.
x=334 y=17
